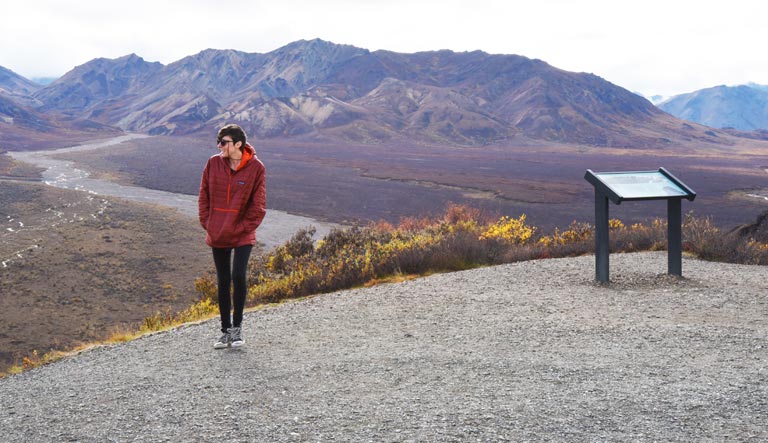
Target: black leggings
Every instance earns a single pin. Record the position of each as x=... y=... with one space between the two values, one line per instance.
x=234 y=276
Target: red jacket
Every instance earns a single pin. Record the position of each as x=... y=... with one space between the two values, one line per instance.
x=232 y=204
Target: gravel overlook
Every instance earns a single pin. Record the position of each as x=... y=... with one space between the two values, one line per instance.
x=531 y=351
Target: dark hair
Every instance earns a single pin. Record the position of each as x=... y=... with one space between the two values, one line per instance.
x=234 y=131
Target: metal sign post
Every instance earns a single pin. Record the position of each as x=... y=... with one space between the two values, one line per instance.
x=601 y=236
x=674 y=237
x=638 y=185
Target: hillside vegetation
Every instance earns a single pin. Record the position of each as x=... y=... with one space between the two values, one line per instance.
x=462 y=239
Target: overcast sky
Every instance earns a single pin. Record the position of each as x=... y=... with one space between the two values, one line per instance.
x=662 y=47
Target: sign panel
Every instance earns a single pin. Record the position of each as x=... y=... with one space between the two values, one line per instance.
x=641 y=184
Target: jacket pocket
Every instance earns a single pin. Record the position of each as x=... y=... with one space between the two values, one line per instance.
x=221 y=226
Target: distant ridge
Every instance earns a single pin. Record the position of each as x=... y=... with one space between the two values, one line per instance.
x=318 y=89
x=742 y=107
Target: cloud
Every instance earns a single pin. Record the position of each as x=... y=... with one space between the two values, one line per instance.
x=655 y=46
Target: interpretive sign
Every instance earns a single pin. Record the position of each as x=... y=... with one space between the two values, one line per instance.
x=638 y=185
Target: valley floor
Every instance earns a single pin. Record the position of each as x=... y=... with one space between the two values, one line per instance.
x=361 y=183
x=76 y=267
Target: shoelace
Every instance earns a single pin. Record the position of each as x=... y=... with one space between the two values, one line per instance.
x=235 y=334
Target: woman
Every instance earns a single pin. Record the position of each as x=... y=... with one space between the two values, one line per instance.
x=232 y=204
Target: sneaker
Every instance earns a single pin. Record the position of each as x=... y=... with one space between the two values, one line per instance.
x=235 y=336
x=224 y=342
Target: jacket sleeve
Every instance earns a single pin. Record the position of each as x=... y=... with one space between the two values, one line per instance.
x=203 y=198
x=257 y=208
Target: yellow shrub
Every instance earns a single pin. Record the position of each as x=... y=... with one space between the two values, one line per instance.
x=615 y=223
x=278 y=260
x=757 y=245
x=462 y=226
x=576 y=232
x=512 y=230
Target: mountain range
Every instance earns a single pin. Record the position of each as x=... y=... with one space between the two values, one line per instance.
x=320 y=90
x=743 y=107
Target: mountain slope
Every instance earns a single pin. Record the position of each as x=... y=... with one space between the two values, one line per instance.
x=740 y=107
x=22 y=127
x=14 y=84
x=91 y=86
x=12 y=112
x=17 y=88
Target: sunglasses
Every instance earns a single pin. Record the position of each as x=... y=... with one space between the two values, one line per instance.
x=223 y=142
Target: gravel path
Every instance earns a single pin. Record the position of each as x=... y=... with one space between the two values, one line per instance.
x=532 y=351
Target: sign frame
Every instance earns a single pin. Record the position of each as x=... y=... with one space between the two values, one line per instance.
x=638 y=186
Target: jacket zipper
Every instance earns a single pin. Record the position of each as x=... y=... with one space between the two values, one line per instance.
x=229 y=187
x=229 y=193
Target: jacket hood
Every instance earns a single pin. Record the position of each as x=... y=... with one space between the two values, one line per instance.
x=248 y=154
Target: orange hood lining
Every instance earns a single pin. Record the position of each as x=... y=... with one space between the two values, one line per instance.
x=248 y=154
